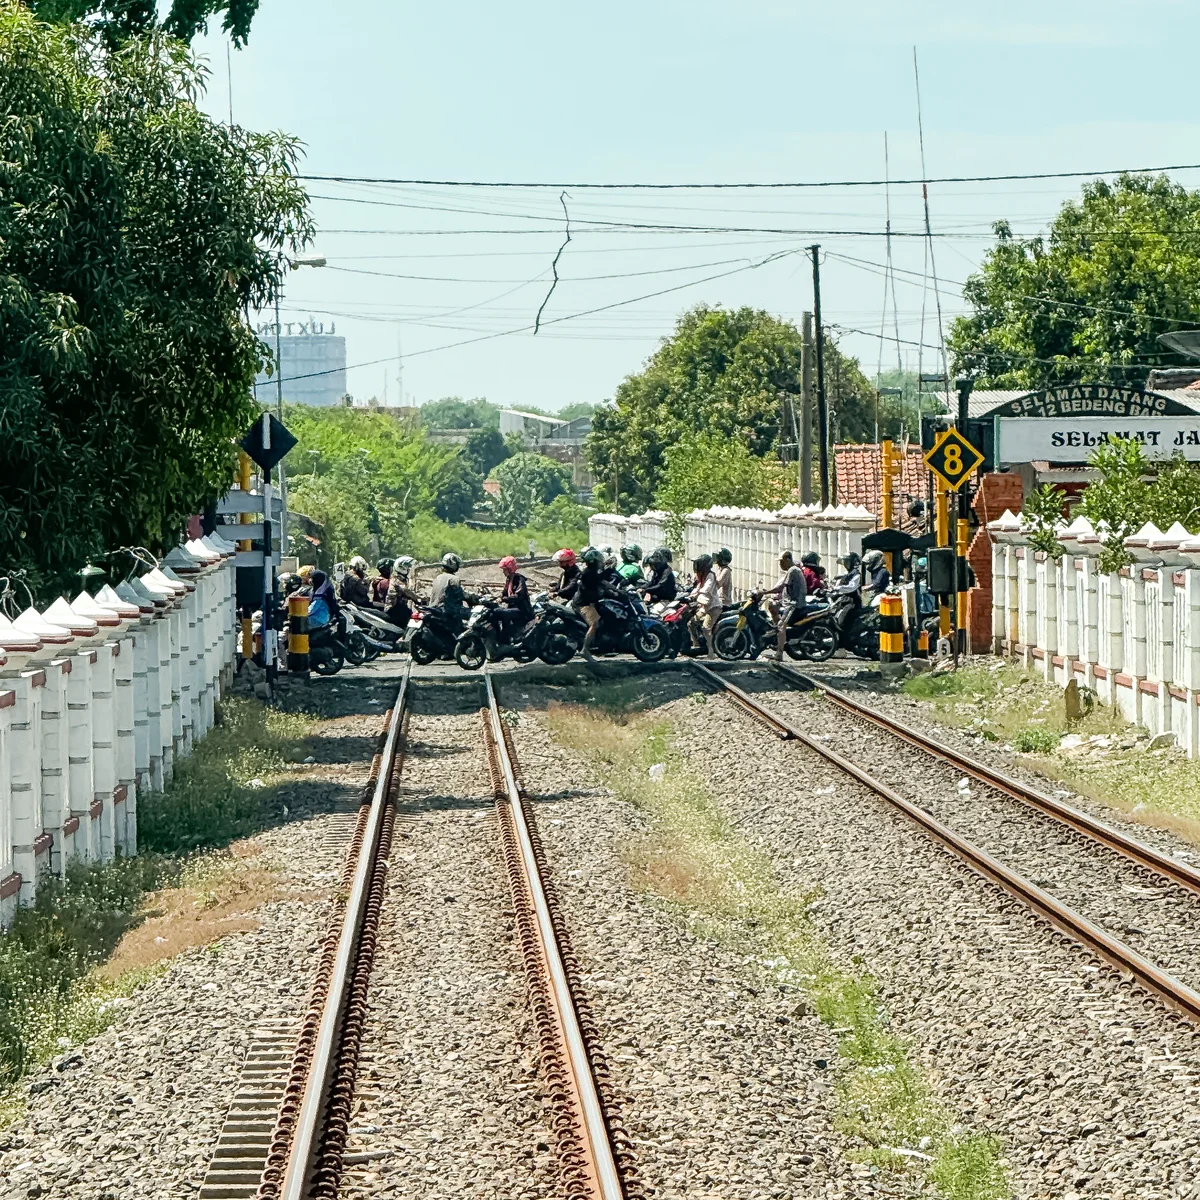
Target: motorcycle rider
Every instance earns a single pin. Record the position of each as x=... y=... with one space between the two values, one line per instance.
x=568 y=580
x=516 y=609
x=661 y=584
x=876 y=572
x=723 y=573
x=354 y=588
x=400 y=597
x=792 y=591
x=708 y=604
x=380 y=584
x=323 y=600
x=809 y=564
x=587 y=596
x=609 y=571
x=630 y=568
x=447 y=591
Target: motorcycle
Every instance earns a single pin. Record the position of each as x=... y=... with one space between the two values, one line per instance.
x=376 y=628
x=857 y=625
x=483 y=639
x=625 y=627
x=431 y=634
x=811 y=635
x=327 y=648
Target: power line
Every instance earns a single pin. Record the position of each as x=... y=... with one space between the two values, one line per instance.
x=812 y=183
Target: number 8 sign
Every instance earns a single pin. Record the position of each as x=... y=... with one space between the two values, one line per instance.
x=953 y=459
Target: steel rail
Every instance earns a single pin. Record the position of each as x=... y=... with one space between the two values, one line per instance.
x=325 y=1053
x=1081 y=822
x=601 y=1164
x=1127 y=961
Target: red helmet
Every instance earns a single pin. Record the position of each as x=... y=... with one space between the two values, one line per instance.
x=508 y=564
x=565 y=558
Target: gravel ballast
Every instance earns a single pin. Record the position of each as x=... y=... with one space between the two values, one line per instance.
x=1090 y=1086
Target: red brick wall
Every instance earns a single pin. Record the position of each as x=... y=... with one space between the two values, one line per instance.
x=995 y=494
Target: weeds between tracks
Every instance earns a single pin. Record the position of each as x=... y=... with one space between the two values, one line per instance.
x=695 y=861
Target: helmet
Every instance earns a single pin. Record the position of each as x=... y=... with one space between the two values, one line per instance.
x=306 y=570
x=507 y=564
x=610 y=560
x=872 y=559
x=451 y=562
x=593 y=557
x=659 y=556
x=811 y=559
x=358 y=563
x=564 y=558
x=402 y=565
x=723 y=556
x=605 y=550
x=703 y=564
x=850 y=561
x=384 y=566
x=631 y=553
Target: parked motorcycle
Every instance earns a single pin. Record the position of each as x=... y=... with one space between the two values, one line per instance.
x=431 y=634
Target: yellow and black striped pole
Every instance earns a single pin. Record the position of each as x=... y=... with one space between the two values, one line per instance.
x=298 y=635
x=891 y=629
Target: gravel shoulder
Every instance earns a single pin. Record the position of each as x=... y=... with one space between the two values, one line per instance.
x=1090 y=1088
x=722 y=1082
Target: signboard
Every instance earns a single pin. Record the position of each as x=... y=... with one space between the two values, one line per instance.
x=1093 y=399
x=264 y=450
x=1074 y=440
x=953 y=459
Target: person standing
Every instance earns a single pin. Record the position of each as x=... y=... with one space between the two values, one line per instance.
x=587 y=596
x=791 y=590
x=708 y=606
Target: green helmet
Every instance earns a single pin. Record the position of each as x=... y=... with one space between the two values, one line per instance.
x=593 y=557
x=631 y=553
x=723 y=556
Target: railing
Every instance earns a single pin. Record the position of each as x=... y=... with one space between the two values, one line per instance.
x=754 y=536
x=99 y=697
x=1133 y=635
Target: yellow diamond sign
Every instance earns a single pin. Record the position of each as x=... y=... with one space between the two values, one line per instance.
x=952 y=459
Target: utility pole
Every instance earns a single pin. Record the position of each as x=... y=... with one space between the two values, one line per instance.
x=822 y=407
x=806 y=407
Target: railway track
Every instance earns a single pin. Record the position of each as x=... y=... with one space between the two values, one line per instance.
x=309 y=1112
x=1148 y=975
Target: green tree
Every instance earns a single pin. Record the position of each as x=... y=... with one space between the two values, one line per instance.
x=119 y=20
x=703 y=469
x=721 y=373
x=579 y=409
x=527 y=482
x=453 y=412
x=1087 y=302
x=487 y=449
x=1120 y=501
x=135 y=233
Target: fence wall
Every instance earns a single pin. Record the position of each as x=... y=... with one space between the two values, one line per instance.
x=99 y=697
x=1132 y=635
x=755 y=537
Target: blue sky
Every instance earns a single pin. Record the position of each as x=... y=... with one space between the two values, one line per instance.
x=671 y=92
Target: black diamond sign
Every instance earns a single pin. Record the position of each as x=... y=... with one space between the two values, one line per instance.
x=953 y=459
x=267 y=451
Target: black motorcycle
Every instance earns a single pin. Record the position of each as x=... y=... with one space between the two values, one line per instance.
x=625 y=628
x=328 y=650
x=812 y=633
x=487 y=638
x=431 y=634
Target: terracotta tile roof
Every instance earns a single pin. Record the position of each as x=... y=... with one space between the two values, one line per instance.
x=860 y=478
x=492 y=487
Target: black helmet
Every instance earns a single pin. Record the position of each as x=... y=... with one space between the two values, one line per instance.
x=451 y=562
x=631 y=553
x=593 y=556
x=660 y=555
x=811 y=559
x=850 y=561
x=702 y=564
x=384 y=566
x=723 y=557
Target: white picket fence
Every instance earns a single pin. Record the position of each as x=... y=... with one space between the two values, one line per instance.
x=755 y=537
x=1133 y=636
x=99 y=697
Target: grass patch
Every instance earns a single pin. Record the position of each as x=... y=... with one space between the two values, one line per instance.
x=88 y=941
x=696 y=862
x=1002 y=703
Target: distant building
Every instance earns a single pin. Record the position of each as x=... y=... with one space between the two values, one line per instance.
x=313 y=366
x=560 y=440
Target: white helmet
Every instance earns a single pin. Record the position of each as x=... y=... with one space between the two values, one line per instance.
x=403 y=564
x=358 y=563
